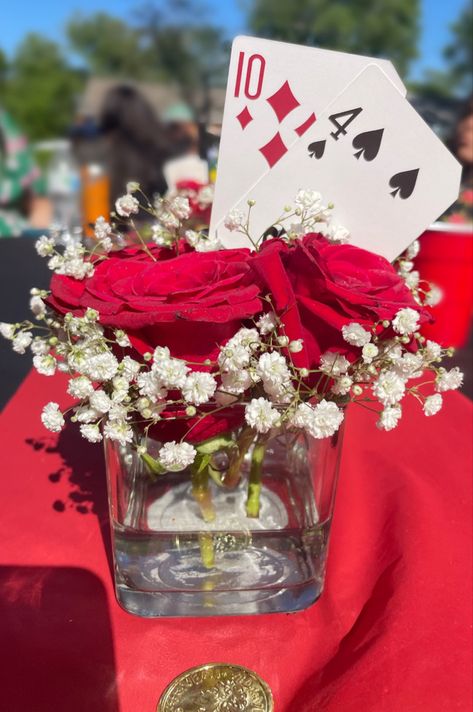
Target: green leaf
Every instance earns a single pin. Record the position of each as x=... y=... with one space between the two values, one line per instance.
x=153 y=465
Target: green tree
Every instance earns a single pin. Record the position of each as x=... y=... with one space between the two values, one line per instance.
x=108 y=45
x=383 y=28
x=3 y=71
x=41 y=89
x=459 y=52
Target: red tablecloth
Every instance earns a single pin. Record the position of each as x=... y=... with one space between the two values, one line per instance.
x=391 y=633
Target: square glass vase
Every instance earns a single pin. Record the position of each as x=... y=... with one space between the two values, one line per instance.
x=197 y=545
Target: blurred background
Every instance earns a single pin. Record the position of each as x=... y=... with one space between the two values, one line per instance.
x=101 y=92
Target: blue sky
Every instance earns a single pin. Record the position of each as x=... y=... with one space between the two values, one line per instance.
x=49 y=17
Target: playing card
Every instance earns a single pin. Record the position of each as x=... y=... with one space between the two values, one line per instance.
x=275 y=92
x=373 y=156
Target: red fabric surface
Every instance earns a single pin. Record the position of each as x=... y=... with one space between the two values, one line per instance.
x=391 y=633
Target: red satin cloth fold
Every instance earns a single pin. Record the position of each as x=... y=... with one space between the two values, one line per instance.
x=391 y=633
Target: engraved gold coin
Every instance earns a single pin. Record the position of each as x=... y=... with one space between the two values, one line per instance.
x=217 y=687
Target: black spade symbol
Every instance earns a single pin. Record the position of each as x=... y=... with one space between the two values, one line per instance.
x=316 y=149
x=404 y=183
x=368 y=144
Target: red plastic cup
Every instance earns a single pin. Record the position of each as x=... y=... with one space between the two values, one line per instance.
x=446 y=260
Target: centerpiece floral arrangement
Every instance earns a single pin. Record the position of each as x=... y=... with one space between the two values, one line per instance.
x=207 y=350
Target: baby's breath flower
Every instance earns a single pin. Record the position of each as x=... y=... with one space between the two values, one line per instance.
x=413 y=250
x=336 y=233
x=333 y=363
x=267 y=323
x=175 y=457
x=412 y=279
x=308 y=200
x=100 y=367
x=296 y=346
x=234 y=357
x=355 y=334
x=201 y=242
x=180 y=207
x=449 y=380
x=272 y=368
x=100 y=401
x=369 y=352
x=118 y=430
x=342 y=386
x=389 y=417
x=326 y=419
x=127 y=205
x=80 y=387
x=406 y=321
x=150 y=386
x=86 y=414
x=129 y=368
x=39 y=347
x=37 y=306
x=171 y=372
x=52 y=417
x=46 y=365
x=21 y=341
x=122 y=339
x=44 y=246
x=7 y=330
x=234 y=220
x=260 y=415
x=431 y=351
x=91 y=432
x=409 y=366
x=389 y=388
x=283 y=340
x=433 y=404
x=132 y=186
x=102 y=231
x=434 y=296
x=199 y=387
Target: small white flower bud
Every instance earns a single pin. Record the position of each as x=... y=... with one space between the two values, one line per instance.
x=304 y=372
x=283 y=340
x=147 y=356
x=190 y=410
x=357 y=390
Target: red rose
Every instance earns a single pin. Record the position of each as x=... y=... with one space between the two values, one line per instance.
x=191 y=302
x=317 y=287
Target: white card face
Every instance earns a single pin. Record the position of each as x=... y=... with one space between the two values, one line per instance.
x=186 y=168
x=275 y=91
x=371 y=155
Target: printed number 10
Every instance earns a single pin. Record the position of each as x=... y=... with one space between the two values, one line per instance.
x=256 y=63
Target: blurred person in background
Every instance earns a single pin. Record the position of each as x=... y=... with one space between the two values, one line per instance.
x=182 y=130
x=135 y=146
x=461 y=146
x=21 y=206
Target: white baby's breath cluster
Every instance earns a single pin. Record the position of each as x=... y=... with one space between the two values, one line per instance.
x=307 y=214
x=121 y=396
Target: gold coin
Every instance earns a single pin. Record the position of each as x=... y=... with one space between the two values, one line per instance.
x=217 y=687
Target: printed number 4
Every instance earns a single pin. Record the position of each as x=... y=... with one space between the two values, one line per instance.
x=342 y=126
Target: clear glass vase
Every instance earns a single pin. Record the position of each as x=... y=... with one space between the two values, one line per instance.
x=195 y=547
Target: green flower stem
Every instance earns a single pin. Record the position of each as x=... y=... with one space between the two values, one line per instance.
x=207 y=553
x=201 y=493
x=254 y=482
x=233 y=474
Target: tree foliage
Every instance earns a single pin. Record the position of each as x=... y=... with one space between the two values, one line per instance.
x=382 y=28
x=41 y=88
x=108 y=45
x=459 y=51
